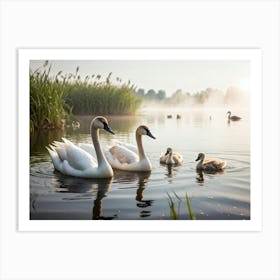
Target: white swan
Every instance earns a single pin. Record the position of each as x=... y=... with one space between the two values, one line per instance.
x=210 y=164
x=232 y=118
x=171 y=157
x=71 y=160
x=124 y=157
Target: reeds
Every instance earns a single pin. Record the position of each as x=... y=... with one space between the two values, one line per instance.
x=48 y=108
x=54 y=98
x=102 y=99
x=175 y=214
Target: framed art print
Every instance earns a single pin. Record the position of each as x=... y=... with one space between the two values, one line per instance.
x=140 y=139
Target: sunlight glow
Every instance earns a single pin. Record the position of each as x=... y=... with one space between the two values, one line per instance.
x=244 y=84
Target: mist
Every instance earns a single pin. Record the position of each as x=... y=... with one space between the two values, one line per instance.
x=233 y=97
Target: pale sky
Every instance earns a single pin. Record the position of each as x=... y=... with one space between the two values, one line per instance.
x=187 y=75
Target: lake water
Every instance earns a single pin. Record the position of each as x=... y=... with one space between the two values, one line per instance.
x=141 y=196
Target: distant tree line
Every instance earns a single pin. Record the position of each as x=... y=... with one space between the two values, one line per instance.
x=209 y=97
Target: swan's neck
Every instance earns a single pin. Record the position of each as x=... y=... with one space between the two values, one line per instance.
x=140 y=147
x=169 y=158
x=229 y=114
x=200 y=163
x=95 y=140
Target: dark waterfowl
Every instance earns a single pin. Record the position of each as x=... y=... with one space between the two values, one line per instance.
x=232 y=118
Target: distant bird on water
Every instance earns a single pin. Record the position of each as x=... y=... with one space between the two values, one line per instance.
x=169 y=116
x=75 y=125
x=232 y=118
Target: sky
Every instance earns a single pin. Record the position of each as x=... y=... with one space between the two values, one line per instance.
x=188 y=75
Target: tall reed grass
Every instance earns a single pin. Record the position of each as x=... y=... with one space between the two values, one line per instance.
x=87 y=99
x=48 y=108
x=55 y=98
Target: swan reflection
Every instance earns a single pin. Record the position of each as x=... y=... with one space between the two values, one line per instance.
x=200 y=175
x=170 y=168
x=141 y=179
x=88 y=188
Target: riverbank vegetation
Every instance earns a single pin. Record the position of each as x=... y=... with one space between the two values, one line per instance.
x=55 y=99
x=48 y=108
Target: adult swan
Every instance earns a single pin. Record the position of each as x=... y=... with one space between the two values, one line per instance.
x=72 y=160
x=124 y=156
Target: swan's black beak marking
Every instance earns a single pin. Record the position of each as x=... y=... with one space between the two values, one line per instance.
x=167 y=152
x=150 y=134
x=107 y=128
x=197 y=158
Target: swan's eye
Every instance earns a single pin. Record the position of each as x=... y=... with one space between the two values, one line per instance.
x=105 y=125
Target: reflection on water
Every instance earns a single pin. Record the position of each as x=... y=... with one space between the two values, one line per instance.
x=140 y=179
x=200 y=177
x=41 y=139
x=142 y=195
x=169 y=170
x=102 y=189
x=200 y=174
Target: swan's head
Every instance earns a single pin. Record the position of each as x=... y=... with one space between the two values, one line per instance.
x=229 y=112
x=200 y=156
x=101 y=123
x=144 y=130
x=168 y=151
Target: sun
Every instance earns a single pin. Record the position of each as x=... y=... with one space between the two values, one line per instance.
x=244 y=84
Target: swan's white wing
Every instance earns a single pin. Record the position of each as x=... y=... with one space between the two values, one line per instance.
x=123 y=154
x=57 y=162
x=82 y=173
x=120 y=157
x=65 y=154
x=79 y=159
x=59 y=148
x=130 y=147
x=88 y=148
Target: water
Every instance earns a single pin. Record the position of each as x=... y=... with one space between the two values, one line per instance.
x=132 y=195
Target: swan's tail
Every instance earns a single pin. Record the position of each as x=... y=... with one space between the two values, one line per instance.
x=54 y=156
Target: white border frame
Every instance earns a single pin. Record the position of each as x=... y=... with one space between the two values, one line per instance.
x=253 y=55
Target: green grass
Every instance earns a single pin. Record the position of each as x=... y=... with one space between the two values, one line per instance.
x=53 y=99
x=172 y=201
